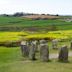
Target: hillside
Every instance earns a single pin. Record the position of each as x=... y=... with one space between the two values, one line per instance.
x=22 y=23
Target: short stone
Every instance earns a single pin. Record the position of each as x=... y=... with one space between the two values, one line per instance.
x=63 y=54
x=32 y=52
x=44 y=53
x=24 y=49
x=55 y=44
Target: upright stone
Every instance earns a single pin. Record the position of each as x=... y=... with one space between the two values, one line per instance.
x=44 y=51
x=35 y=42
x=32 y=52
x=55 y=44
x=24 y=49
x=29 y=43
x=63 y=54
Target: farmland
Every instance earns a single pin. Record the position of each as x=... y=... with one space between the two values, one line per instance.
x=13 y=29
x=10 y=36
x=14 y=36
x=21 y=24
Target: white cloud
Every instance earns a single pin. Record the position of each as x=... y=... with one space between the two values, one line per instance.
x=36 y=6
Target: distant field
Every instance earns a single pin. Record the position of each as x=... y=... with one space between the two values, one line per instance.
x=41 y=17
x=15 y=36
x=11 y=36
x=20 y=23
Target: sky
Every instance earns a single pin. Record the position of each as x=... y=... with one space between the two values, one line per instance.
x=62 y=7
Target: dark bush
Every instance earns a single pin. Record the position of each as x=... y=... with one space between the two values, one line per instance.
x=18 y=14
x=10 y=44
x=2 y=43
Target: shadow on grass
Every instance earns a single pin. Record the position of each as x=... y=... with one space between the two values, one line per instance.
x=63 y=61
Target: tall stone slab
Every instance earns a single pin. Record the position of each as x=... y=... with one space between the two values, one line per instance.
x=32 y=52
x=44 y=51
x=24 y=49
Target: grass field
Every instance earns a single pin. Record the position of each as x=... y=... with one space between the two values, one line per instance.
x=12 y=61
x=19 y=23
x=12 y=29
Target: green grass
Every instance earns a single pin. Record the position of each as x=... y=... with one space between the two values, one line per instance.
x=38 y=66
x=9 y=54
x=11 y=61
x=20 y=22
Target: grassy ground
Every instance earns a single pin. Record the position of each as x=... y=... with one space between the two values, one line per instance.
x=17 y=23
x=12 y=61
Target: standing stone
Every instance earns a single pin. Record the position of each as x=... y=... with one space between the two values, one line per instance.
x=44 y=51
x=32 y=52
x=63 y=54
x=24 y=49
x=54 y=44
x=38 y=46
x=29 y=43
x=35 y=42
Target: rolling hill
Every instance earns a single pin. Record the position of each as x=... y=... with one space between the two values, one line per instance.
x=10 y=23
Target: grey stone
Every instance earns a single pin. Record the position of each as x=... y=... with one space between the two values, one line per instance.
x=63 y=54
x=43 y=41
x=35 y=43
x=24 y=49
x=44 y=52
x=29 y=43
x=32 y=52
x=55 y=44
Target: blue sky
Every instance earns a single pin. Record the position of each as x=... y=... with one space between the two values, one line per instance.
x=63 y=7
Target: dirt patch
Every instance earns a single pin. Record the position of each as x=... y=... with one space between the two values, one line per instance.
x=41 y=17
